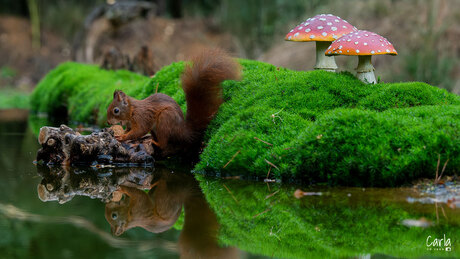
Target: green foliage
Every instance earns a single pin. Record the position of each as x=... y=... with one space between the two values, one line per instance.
x=85 y=91
x=320 y=126
x=10 y=98
x=271 y=222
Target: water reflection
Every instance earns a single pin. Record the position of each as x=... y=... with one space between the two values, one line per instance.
x=151 y=199
x=62 y=184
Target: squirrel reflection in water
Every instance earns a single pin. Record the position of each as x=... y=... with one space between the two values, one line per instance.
x=158 y=210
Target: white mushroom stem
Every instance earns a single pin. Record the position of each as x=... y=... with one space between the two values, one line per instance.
x=324 y=62
x=365 y=70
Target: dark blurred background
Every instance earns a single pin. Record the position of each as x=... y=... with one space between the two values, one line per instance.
x=37 y=35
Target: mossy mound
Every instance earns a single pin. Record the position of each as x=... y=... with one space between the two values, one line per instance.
x=326 y=127
x=339 y=224
x=319 y=126
x=83 y=92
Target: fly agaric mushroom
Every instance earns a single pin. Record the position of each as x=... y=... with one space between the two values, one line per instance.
x=324 y=29
x=363 y=44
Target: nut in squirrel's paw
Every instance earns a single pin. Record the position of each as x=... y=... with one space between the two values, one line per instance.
x=117 y=130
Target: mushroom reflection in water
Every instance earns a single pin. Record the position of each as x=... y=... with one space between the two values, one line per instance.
x=363 y=44
x=324 y=29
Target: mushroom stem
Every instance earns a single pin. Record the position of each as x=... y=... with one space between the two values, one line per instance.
x=365 y=70
x=324 y=62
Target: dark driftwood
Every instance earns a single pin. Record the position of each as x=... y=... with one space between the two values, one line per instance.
x=63 y=145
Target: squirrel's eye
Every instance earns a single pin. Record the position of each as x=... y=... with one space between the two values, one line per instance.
x=116 y=111
x=114 y=215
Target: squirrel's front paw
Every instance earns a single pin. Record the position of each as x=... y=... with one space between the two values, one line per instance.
x=120 y=138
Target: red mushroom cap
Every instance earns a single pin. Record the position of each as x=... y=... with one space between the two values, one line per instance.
x=323 y=27
x=361 y=43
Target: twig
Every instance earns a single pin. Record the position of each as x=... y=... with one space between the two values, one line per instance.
x=437 y=214
x=228 y=190
x=263 y=141
x=438 y=178
x=444 y=213
x=270 y=163
x=437 y=167
x=156 y=89
x=231 y=159
x=269 y=169
x=232 y=177
x=271 y=195
x=258 y=214
x=443 y=169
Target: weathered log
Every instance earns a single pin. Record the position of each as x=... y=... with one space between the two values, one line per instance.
x=64 y=145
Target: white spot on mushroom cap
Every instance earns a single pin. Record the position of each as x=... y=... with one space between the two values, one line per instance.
x=334 y=36
x=320 y=27
x=388 y=50
x=307 y=30
x=312 y=36
x=356 y=43
x=290 y=37
x=324 y=34
x=322 y=19
x=333 y=28
x=340 y=51
x=291 y=30
x=357 y=51
x=344 y=26
x=340 y=47
x=307 y=23
x=300 y=28
x=365 y=43
x=372 y=52
x=296 y=34
x=329 y=23
x=336 y=20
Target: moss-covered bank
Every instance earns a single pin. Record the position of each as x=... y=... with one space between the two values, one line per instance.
x=13 y=99
x=340 y=223
x=320 y=126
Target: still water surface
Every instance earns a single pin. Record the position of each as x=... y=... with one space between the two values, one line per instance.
x=168 y=213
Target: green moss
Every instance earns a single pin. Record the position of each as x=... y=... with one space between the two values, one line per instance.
x=10 y=99
x=270 y=221
x=332 y=128
x=85 y=91
x=321 y=126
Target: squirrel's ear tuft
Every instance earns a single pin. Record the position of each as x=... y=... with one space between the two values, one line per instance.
x=115 y=94
x=122 y=97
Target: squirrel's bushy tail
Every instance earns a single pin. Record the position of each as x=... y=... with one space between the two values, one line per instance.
x=201 y=83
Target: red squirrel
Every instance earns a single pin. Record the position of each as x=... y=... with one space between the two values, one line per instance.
x=160 y=115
